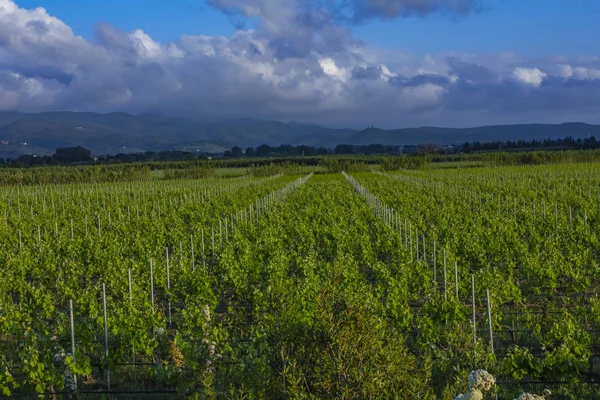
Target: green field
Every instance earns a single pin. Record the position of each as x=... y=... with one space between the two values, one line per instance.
x=340 y=285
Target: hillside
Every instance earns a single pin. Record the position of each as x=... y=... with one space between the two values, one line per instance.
x=122 y=132
x=482 y=134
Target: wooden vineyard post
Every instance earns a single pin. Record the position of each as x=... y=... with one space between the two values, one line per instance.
x=473 y=308
x=489 y=313
x=129 y=282
x=434 y=267
x=106 y=338
x=192 y=246
x=417 y=243
x=130 y=304
x=152 y=285
x=203 y=254
x=72 y=328
x=571 y=216
x=168 y=286
x=456 y=278
x=411 y=245
x=445 y=277
x=544 y=209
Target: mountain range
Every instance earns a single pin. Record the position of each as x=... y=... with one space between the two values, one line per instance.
x=112 y=133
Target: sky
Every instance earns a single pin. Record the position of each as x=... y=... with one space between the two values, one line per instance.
x=342 y=63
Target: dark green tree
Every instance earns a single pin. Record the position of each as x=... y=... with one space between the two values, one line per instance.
x=344 y=149
x=263 y=150
x=72 y=154
x=236 y=152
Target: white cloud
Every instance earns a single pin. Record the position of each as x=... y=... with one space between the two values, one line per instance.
x=307 y=68
x=386 y=74
x=581 y=73
x=148 y=48
x=27 y=93
x=530 y=76
x=427 y=95
x=7 y=6
x=331 y=69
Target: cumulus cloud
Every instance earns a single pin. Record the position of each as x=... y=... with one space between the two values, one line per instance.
x=297 y=62
x=580 y=73
x=530 y=76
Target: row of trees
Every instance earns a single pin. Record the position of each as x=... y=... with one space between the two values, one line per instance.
x=428 y=148
x=62 y=156
x=310 y=151
x=567 y=142
x=284 y=150
x=81 y=155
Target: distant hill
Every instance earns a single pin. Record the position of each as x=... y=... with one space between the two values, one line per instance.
x=528 y=132
x=122 y=132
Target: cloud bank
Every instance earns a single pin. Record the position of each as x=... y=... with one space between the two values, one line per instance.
x=300 y=62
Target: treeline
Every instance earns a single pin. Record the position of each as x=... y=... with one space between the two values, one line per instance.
x=62 y=156
x=149 y=156
x=566 y=143
x=309 y=151
x=500 y=158
x=261 y=154
x=81 y=155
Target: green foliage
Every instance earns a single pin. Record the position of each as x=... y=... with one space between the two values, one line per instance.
x=72 y=154
x=71 y=174
x=266 y=170
x=194 y=172
x=332 y=165
x=317 y=292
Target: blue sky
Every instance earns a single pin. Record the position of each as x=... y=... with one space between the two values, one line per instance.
x=164 y=20
x=533 y=27
x=396 y=63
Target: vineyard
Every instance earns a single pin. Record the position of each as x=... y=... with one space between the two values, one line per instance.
x=349 y=285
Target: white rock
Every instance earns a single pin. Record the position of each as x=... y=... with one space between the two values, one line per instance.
x=481 y=380
x=472 y=395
